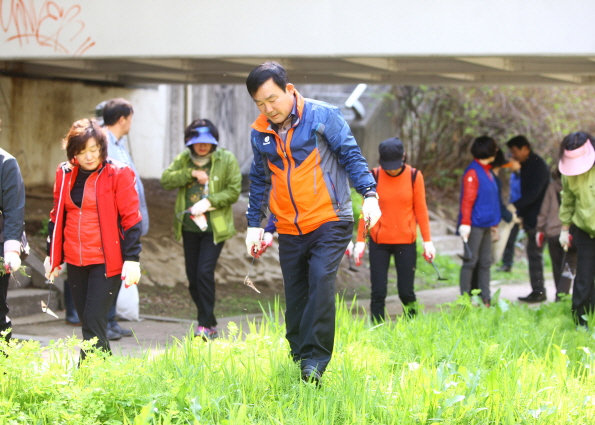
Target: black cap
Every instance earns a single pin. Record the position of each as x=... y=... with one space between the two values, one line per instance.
x=391 y=153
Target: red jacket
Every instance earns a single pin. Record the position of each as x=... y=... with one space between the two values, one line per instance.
x=118 y=210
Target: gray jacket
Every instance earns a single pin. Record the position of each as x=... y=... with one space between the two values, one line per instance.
x=547 y=220
x=12 y=202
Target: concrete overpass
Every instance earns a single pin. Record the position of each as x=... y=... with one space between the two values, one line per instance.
x=136 y=42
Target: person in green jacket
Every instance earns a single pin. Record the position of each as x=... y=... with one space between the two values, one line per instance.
x=577 y=157
x=208 y=180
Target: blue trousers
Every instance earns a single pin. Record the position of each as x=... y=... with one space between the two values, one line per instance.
x=309 y=264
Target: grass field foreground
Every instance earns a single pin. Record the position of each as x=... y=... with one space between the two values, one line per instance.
x=509 y=364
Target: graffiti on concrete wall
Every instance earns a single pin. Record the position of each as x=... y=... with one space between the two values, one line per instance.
x=45 y=23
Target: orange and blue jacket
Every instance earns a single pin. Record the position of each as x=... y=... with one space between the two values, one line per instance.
x=304 y=181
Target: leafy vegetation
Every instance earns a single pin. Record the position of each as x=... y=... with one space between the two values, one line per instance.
x=508 y=364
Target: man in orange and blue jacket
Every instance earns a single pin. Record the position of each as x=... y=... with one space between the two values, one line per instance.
x=304 y=155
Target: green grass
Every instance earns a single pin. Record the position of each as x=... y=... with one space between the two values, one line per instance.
x=463 y=365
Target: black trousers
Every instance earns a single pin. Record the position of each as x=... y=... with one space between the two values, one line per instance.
x=508 y=255
x=201 y=255
x=535 y=257
x=583 y=294
x=93 y=295
x=563 y=283
x=405 y=262
x=4 y=322
x=309 y=264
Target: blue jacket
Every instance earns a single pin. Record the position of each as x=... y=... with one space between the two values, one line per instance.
x=305 y=180
x=486 y=209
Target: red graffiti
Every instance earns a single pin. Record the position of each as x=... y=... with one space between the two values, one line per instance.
x=50 y=25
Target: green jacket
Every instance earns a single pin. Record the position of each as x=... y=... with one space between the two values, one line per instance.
x=225 y=183
x=578 y=201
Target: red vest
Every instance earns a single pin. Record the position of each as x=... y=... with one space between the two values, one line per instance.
x=82 y=236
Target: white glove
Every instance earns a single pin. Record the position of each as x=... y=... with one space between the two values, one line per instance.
x=429 y=250
x=200 y=221
x=371 y=211
x=358 y=252
x=130 y=273
x=464 y=231
x=268 y=238
x=12 y=261
x=253 y=240
x=349 y=250
x=200 y=207
x=565 y=239
x=51 y=274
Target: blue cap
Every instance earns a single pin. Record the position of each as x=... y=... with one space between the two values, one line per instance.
x=204 y=136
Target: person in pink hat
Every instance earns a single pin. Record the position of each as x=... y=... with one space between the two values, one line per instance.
x=577 y=156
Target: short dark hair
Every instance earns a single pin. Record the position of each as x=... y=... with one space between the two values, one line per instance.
x=484 y=147
x=191 y=131
x=518 y=142
x=81 y=131
x=574 y=141
x=116 y=108
x=500 y=160
x=262 y=73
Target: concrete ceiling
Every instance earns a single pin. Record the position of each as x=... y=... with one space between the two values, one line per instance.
x=431 y=70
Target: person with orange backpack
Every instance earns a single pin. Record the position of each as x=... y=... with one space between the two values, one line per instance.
x=402 y=198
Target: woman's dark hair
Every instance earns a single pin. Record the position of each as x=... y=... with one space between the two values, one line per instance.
x=191 y=131
x=262 y=73
x=574 y=141
x=81 y=131
x=483 y=147
x=500 y=160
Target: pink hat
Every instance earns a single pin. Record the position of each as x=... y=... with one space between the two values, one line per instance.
x=577 y=161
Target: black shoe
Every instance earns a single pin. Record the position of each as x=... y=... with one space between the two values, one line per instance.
x=311 y=374
x=534 y=297
x=112 y=335
x=504 y=268
x=115 y=327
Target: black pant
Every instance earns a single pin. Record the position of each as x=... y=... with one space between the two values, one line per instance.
x=309 y=264
x=4 y=322
x=201 y=255
x=508 y=255
x=563 y=282
x=405 y=261
x=535 y=257
x=583 y=294
x=93 y=295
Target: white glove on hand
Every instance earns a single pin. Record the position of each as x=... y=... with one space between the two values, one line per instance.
x=349 y=250
x=253 y=237
x=12 y=261
x=200 y=221
x=268 y=238
x=565 y=239
x=358 y=252
x=51 y=274
x=429 y=250
x=200 y=207
x=464 y=231
x=130 y=273
x=371 y=211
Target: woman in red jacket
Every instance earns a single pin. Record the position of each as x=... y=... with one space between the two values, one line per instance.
x=94 y=227
x=402 y=198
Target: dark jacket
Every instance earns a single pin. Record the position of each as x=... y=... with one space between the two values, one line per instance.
x=12 y=201
x=119 y=215
x=535 y=177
